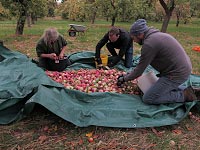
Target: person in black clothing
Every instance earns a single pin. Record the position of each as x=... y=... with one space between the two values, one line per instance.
x=51 y=51
x=116 y=38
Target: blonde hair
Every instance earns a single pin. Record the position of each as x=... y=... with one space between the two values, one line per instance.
x=49 y=35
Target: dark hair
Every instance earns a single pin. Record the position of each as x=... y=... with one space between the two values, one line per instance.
x=114 y=30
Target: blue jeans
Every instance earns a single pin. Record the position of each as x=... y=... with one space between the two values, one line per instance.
x=164 y=91
x=129 y=58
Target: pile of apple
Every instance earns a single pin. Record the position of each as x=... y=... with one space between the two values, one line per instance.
x=94 y=80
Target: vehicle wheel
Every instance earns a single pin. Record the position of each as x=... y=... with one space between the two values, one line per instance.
x=72 y=33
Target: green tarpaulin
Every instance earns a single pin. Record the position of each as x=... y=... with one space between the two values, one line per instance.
x=23 y=84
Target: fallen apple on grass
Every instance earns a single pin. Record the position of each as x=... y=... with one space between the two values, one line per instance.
x=94 y=80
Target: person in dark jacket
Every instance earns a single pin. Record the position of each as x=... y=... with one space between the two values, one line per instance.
x=116 y=38
x=51 y=51
x=166 y=55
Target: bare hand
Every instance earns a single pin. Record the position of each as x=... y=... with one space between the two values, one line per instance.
x=61 y=56
x=53 y=56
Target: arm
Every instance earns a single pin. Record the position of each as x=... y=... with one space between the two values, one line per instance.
x=63 y=45
x=147 y=55
x=50 y=56
x=100 y=44
x=41 y=50
x=124 y=45
x=62 y=53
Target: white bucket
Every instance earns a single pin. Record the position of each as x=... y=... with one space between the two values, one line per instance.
x=147 y=80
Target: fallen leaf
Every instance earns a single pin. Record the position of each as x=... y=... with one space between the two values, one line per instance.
x=42 y=138
x=89 y=134
x=177 y=132
x=189 y=128
x=158 y=133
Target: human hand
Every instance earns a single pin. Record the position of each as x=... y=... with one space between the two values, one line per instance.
x=53 y=56
x=120 y=80
x=61 y=56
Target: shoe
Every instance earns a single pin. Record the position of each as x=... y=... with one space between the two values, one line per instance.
x=189 y=94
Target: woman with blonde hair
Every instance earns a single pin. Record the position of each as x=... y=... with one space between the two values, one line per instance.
x=51 y=51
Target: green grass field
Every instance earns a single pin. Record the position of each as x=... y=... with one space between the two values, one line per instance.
x=44 y=130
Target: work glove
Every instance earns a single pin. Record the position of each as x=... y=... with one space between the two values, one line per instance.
x=120 y=80
x=99 y=63
x=100 y=66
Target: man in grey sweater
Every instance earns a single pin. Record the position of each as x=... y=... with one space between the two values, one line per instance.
x=166 y=55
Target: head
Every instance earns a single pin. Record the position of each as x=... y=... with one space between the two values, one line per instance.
x=137 y=30
x=50 y=35
x=114 y=34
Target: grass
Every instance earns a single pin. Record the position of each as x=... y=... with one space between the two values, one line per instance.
x=44 y=130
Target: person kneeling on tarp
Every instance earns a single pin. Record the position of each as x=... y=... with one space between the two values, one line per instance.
x=51 y=51
x=116 y=38
x=166 y=55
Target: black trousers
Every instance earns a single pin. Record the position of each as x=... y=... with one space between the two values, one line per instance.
x=52 y=65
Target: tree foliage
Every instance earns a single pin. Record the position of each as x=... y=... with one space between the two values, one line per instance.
x=21 y=8
x=111 y=10
x=4 y=13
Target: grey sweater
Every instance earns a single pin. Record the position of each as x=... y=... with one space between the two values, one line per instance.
x=165 y=54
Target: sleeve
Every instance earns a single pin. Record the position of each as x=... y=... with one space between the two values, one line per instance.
x=40 y=48
x=100 y=44
x=63 y=41
x=146 y=58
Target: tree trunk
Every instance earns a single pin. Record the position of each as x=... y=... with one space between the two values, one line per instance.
x=113 y=21
x=93 y=17
x=28 y=20
x=165 y=23
x=115 y=14
x=20 y=25
x=33 y=18
x=177 y=21
x=22 y=18
x=168 y=13
x=177 y=17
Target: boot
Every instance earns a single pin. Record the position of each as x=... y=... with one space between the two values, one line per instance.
x=189 y=94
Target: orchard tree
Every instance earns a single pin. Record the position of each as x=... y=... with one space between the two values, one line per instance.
x=126 y=10
x=91 y=9
x=37 y=9
x=168 y=7
x=182 y=11
x=73 y=10
x=4 y=13
x=195 y=8
x=20 y=9
x=23 y=9
x=110 y=9
x=51 y=6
